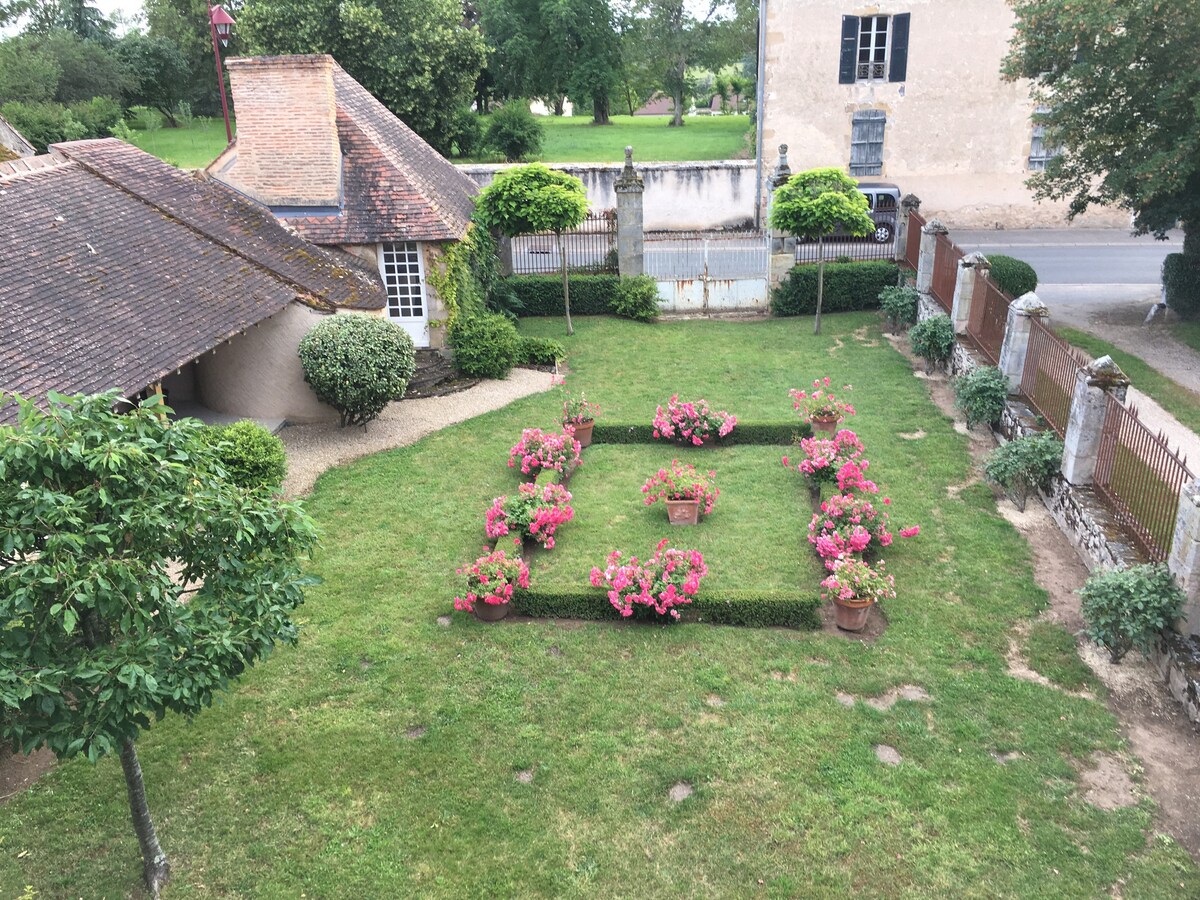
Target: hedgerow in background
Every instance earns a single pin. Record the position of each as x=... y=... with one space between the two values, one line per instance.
x=536 y=351
x=1024 y=464
x=1181 y=280
x=357 y=364
x=1128 y=608
x=933 y=341
x=251 y=456
x=899 y=304
x=637 y=299
x=486 y=345
x=542 y=295
x=981 y=394
x=848 y=287
x=1015 y=276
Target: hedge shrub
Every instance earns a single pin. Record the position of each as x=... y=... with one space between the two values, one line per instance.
x=981 y=394
x=1013 y=275
x=539 y=351
x=637 y=299
x=1023 y=464
x=848 y=287
x=514 y=132
x=1181 y=278
x=1128 y=608
x=541 y=295
x=753 y=609
x=251 y=456
x=744 y=434
x=357 y=364
x=485 y=345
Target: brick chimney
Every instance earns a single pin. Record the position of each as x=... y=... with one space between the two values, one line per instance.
x=286 y=152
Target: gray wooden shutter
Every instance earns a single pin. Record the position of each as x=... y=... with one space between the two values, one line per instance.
x=846 y=70
x=866 y=142
x=898 y=69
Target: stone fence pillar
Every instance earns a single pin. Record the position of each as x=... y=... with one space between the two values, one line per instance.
x=780 y=242
x=964 y=289
x=929 y=236
x=1016 y=336
x=630 y=233
x=1081 y=443
x=1184 y=560
x=910 y=204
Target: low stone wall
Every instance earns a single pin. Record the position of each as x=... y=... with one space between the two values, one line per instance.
x=1178 y=662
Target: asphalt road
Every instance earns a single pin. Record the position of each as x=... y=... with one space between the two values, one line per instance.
x=1070 y=256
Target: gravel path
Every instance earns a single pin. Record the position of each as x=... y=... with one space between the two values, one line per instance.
x=311 y=449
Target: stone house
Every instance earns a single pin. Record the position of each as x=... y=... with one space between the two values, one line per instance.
x=335 y=166
x=908 y=91
x=122 y=272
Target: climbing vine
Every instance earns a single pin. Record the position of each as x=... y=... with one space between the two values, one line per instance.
x=465 y=274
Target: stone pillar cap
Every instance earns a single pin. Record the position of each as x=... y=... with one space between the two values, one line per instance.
x=1030 y=305
x=1105 y=372
x=629 y=179
x=935 y=226
x=977 y=260
x=911 y=201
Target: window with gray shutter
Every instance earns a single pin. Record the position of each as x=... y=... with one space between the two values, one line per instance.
x=874 y=48
x=1039 y=152
x=866 y=142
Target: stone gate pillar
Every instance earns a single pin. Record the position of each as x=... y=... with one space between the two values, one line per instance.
x=1081 y=442
x=1184 y=560
x=964 y=289
x=629 y=189
x=910 y=204
x=929 y=236
x=1016 y=336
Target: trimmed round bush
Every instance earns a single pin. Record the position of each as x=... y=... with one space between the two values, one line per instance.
x=357 y=364
x=980 y=394
x=485 y=345
x=1127 y=608
x=933 y=340
x=637 y=298
x=1181 y=279
x=539 y=351
x=514 y=132
x=251 y=456
x=1015 y=276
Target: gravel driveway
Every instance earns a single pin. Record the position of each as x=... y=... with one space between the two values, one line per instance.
x=311 y=449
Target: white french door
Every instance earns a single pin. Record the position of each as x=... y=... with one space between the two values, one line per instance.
x=403 y=275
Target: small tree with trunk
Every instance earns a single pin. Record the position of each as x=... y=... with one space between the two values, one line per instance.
x=533 y=199
x=813 y=205
x=136 y=579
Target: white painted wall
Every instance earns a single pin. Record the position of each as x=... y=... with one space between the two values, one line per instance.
x=695 y=295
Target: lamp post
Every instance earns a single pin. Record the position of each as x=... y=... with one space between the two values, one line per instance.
x=220 y=24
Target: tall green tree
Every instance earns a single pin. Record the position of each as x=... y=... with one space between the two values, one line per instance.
x=815 y=204
x=135 y=580
x=185 y=24
x=1119 y=79
x=158 y=72
x=418 y=57
x=533 y=199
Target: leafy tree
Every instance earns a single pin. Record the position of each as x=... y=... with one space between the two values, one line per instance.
x=79 y=17
x=816 y=203
x=1119 y=80
x=531 y=199
x=28 y=74
x=135 y=580
x=514 y=131
x=416 y=56
x=159 y=75
x=185 y=24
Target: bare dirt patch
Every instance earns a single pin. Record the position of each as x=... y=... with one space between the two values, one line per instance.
x=18 y=771
x=1107 y=785
x=416 y=732
x=714 y=701
x=846 y=700
x=679 y=792
x=909 y=692
x=525 y=776
x=888 y=755
x=912 y=435
x=1006 y=756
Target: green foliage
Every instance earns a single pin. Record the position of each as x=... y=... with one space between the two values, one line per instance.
x=637 y=298
x=899 y=304
x=530 y=199
x=746 y=434
x=418 y=57
x=751 y=609
x=980 y=394
x=933 y=340
x=251 y=456
x=1015 y=276
x=464 y=132
x=514 y=132
x=159 y=75
x=28 y=74
x=541 y=295
x=539 y=351
x=357 y=364
x=813 y=204
x=43 y=124
x=1181 y=278
x=97 y=116
x=465 y=274
x=485 y=345
x=848 y=286
x=1024 y=463
x=97 y=509
x=1128 y=608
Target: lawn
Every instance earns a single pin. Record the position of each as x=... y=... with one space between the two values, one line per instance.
x=572 y=139
x=1188 y=332
x=381 y=756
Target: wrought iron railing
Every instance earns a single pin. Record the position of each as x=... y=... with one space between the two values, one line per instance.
x=1048 y=381
x=945 y=271
x=912 y=240
x=591 y=248
x=989 y=317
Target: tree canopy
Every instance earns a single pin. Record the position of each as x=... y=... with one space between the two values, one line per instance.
x=1118 y=80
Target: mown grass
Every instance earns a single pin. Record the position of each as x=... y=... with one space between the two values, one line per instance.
x=191 y=146
x=1176 y=399
x=309 y=779
x=1188 y=333
x=1051 y=651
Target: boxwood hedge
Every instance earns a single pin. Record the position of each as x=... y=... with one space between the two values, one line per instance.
x=745 y=434
x=848 y=287
x=753 y=609
x=541 y=295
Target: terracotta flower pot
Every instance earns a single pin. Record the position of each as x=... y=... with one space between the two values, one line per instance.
x=490 y=612
x=851 y=615
x=583 y=432
x=826 y=425
x=683 y=512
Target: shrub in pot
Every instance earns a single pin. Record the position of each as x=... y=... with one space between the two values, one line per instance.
x=357 y=364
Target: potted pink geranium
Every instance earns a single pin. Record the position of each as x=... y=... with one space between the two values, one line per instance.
x=686 y=492
x=490 y=582
x=821 y=408
x=533 y=513
x=540 y=450
x=855 y=587
x=851 y=524
x=579 y=417
x=822 y=458
x=691 y=423
x=659 y=586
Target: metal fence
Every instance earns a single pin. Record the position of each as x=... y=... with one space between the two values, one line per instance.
x=857 y=249
x=728 y=255
x=1048 y=382
x=945 y=271
x=590 y=248
x=912 y=240
x=989 y=317
x=1140 y=477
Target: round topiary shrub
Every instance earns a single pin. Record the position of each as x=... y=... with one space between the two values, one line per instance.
x=1127 y=608
x=251 y=456
x=485 y=345
x=637 y=298
x=514 y=132
x=539 y=351
x=933 y=341
x=1015 y=276
x=980 y=394
x=357 y=364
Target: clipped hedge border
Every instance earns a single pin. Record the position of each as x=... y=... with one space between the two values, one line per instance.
x=746 y=435
x=745 y=608
x=541 y=295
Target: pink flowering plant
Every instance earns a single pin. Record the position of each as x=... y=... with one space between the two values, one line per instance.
x=491 y=579
x=540 y=450
x=577 y=410
x=848 y=523
x=682 y=482
x=822 y=458
x=692 y=423
x=534 y=512
x=819 y=403
x=660 y=585
x=850 y=579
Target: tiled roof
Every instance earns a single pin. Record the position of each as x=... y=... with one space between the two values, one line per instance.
x=118 y=269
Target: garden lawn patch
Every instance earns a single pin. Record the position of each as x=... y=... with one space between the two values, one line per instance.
x=305 y=779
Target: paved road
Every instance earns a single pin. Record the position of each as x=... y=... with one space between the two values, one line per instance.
x=1094 y=256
